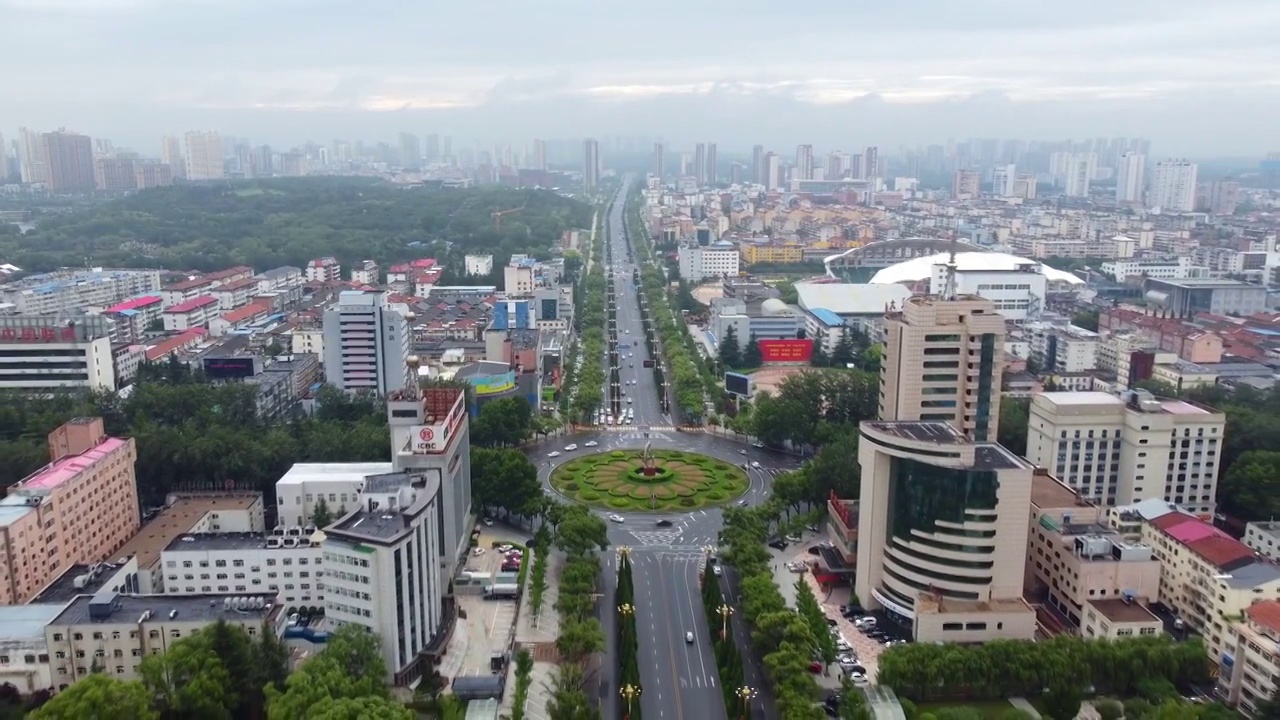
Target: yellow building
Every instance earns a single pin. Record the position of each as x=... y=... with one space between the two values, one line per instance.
x=772 y=254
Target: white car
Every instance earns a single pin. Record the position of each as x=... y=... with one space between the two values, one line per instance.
x=864 y=623
x=715 y=570
x=590 y=443
x=617 y=518
x=478 y=551
x=755 y=464
x=553 y=454
x=688 y=637
x=858 y=678
x=570 y=447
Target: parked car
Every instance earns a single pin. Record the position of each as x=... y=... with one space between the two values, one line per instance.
x=553 y=454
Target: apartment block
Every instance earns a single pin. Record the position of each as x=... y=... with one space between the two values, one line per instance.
x=1084 y=570
x=44 y=352
x=325 y=269
x=1249 y=670
x=1117 y=450
x=286 y=564
x=65 y=290
x=190 y=314
x=1062 y=348
x=80 y=508
x=366 y=343
x=714 y=261
x=1264 y=538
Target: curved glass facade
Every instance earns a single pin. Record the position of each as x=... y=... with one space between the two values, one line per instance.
x=928 y=507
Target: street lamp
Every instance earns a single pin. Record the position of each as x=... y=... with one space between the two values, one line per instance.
x=624 y=554
x=629 y=694
x=725 y=611
x=626 y=609
x=746 y=695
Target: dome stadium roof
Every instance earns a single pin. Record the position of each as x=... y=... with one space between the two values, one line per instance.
x=921 y=268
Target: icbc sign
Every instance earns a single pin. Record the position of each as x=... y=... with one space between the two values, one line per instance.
x=44 y=334
x=429 y=439
x=427 y=435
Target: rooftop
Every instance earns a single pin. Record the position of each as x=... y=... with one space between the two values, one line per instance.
x=64 y=588
x=134 y=304
x=1265 y=613
x=202 y=542
x=986 y=456
x=188 y=608
x=850 y=298
x=190 y=305
x=1050 y=492
x=1118 y=611
x=332 y=472
x=68 y=468
x=176 y=520
x=177 y=342
x=1223 y=552
x=1204 y=283
x=386 y=525
x=26 y=622
x=1252 y=574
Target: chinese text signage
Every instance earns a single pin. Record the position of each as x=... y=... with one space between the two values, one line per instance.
x=786 y=351
x=33 y=334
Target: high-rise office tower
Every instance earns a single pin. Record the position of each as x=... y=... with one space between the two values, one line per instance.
x=447 y=149
x=410 y=151
x=871 y=163
x=70 y=161
x=171 y=155
x=757 y=165
x=965 y=185
x=711 y=174
x=1173 y=186
x=772 y=171
x=433 y=148
x=737 y=173
x=700 y=163
x=804 y=163
x=659 y=160
x=1002 y=179
x=855 y=167
x=204 y=156
x=1079 y=174
x=33 y=162
x=366 y=343
x=942 y=520
x=837 y=165
x=539 y=154
x=1131 y=171
x=591 y=168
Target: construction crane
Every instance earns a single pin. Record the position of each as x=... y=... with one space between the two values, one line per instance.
x=497 y=216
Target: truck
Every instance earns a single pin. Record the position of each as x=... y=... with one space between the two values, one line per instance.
x=502 y=591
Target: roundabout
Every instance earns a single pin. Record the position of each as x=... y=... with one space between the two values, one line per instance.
x=649 y=480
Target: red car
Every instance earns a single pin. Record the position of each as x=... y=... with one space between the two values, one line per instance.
x=815 y=667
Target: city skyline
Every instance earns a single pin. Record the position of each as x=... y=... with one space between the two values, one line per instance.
x=1100 y=70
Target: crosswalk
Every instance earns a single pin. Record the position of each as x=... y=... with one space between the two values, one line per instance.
x=657 y=537
x=633 y=428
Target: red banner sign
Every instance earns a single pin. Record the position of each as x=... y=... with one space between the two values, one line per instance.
x=32 y=334
x=786 y=351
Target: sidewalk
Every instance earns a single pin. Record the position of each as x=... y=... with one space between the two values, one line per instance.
x=530 y=630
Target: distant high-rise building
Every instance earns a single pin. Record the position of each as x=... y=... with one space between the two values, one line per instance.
x=1079 y=174
x=539 y=154
x=366 y=343
x=659 y=160
x=447 y=149
x=204 y=156
x=1131 y=171
x=700 y=163
x=837 y=165
x=772 y=171
x=855 y=167
x=1173 y=186
x=70 y=161
x=804 y=163
x=115 y=174
x=433 y=148
x=33 y=161
x=591 y=167
x=150 y=173
x=711 y=173
x=757 y=165
x=410 y=151
x=171 y=155
x=871 y=163
x=965 y=185
x=1221 y=197
x=737 y=173
x=1002 y=180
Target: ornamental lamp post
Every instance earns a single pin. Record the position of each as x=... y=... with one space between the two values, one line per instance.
x=725 y=611
x=746 y=695
x=629 y=693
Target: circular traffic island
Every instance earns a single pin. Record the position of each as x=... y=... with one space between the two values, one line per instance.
x=666 y=480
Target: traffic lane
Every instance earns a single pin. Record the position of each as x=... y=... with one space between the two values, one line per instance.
x=704 y=698
x=607 y=684
x=753 y=664
x=660 y=686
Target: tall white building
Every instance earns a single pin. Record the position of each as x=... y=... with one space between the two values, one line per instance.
x=1079 y=173
x=204 y=156
x=1131 y=169
x=171 y=155
x=478 y=264
x=591 y=167
x=699 y=263
x=33 y=161
x=1002 y=180
x=804 y=163
x=1173 y=186
x=366 y=343
x=772 y=171
x=1118 y=450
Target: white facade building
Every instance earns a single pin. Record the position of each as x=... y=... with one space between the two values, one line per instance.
x=713 y=261
x=1062 y=348
x=518 y=276
x=32 y=359
x=325 y=269
x=1118 y=450
x=75 y=290
x=1002 y=180
x=204 y=156
x=478 y=264
x=1018 y=294
x=1131 y=169
x=366 y=272
x=338 y=484
x=1178 y=268
x=366 y=343
x=1173 y=186
x=286 y=563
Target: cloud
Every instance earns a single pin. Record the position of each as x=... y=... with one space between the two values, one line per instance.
x=507 y=71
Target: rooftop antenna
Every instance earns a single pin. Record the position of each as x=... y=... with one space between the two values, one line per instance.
x=949 y=280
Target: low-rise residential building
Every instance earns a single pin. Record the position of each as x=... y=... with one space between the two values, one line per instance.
x=190 y=314
x=285 y=563
x=117 y=631
x=1117 y=618
x=1264 y=538
x=281 y=278
x=177 y=344
x=1249 y=670
x=1173 y=268
x=1183 y=376
x=699 y=263
x=134 y=316
x=80 y=508
x=72 y=290
x=366 y=272
x=235 y=294
x=478 y=264
x=325 y=269
x=238 y=318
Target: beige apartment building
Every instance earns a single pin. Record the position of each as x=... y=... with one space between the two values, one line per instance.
x=1249 y=670
x=942 y=363
x=1118 y=450
x=81 y=508
x=118 y=631
x=942 y=532
x=1083 y=569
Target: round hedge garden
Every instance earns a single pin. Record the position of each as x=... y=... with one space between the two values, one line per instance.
x=681 y=480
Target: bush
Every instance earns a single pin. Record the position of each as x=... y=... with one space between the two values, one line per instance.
x=1109 y=709
x=688 y=502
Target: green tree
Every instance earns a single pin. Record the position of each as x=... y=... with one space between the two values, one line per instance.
x=1062 y=701
x=349 y=667
x=751 y=357
x=189 y=680
x=844 y=353
x=730 y=354
x=362 y=708
x=815 y=618
x=321 y=516
x=99 y=697
x=1108 y=709
x=581 y=532
x=504 y=479
x=1015 y=417
x=1087 y=319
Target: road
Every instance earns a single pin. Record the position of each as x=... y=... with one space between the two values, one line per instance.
x=678 y=678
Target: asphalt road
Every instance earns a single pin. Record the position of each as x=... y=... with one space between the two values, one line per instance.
x=678 y=678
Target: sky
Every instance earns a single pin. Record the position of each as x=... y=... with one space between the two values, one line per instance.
x=1198 y=78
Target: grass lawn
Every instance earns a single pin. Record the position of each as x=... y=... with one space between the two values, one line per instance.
x=988 y=708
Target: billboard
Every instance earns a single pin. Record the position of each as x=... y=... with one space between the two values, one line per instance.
x=737 y=384
x=428 y=439
x=231 y=368
x=786 y=351
x=494 y=384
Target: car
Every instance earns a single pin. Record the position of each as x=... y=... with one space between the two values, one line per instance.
x=794 y=538
x=688 y=637
x=629 y=401
x=570 y=447
x=815 y=667
x=832 y=622
x=553 y=454
x=503 y=548
x=858 y=678
x=742 y=503
x=755 y=464
x=663 y=523
x=590 y=443
x=715 y=570
x=757 y=445
x=488 y=522
x=742 y=452
x=865 y=623
x=778 y=544
x=617 y=518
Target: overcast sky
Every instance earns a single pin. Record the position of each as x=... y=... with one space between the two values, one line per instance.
x=1197 y=77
